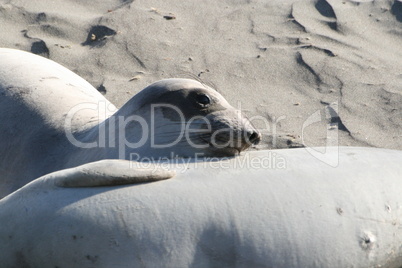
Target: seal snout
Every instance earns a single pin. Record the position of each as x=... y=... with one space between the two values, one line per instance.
x=253 y=136
x=231 y=134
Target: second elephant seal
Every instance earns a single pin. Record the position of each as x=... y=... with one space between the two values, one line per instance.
x=53 y=119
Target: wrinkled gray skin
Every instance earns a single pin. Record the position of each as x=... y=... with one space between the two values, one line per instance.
x=52 y=119
x=280 y=208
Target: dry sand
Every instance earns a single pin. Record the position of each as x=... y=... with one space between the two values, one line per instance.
x=292 y=63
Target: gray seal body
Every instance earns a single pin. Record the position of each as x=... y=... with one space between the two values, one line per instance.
x=280 y=208
x=52 y=119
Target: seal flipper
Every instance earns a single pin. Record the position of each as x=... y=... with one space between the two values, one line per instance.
x=109 y=173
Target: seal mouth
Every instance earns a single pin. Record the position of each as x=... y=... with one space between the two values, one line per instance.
x=224 y=151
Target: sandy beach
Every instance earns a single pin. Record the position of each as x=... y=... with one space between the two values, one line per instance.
x=310 y=73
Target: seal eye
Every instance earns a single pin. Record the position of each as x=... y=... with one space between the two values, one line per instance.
x=203 y=99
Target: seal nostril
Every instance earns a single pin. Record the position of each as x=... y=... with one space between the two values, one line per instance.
x=255 y=137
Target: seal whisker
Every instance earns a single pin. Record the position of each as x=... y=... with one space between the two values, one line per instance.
x=179 y=124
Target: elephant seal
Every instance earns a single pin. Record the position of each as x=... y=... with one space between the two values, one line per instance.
x=52 y=119
x=279 y=208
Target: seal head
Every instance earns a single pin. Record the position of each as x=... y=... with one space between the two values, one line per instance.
x=187 y=118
